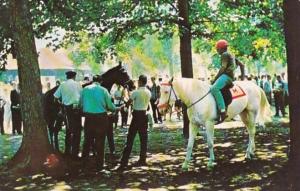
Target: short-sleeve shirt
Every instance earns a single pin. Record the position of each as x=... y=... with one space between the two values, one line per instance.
x=141 y=98
x=96 y=99
x=267 y=86
x=69 y=92
x=118 y=97
x=228 y=64
x=155 y=91
x=278 y=86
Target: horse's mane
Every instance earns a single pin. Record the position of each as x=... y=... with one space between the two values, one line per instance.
x=190 y=89
x=114 y=69
x=190 y=83
x=107 y=78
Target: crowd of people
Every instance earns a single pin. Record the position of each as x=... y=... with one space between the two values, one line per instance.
x=10 y=111
x=89 y=106
x=98 y=107
x=276 y=90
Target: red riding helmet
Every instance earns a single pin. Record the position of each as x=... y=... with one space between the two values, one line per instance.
x=221 y=44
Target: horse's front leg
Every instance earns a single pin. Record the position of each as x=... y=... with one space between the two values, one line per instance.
x=192 y=135
x=56 y=140
x=210 y=142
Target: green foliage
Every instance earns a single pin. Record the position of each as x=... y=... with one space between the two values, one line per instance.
x=152 y=53
x=107 y=24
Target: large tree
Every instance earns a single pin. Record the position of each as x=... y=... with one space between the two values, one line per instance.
x=35 y=145
x=292 y=33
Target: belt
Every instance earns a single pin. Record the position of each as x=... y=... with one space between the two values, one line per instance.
x=139 y=111
x=86 y=114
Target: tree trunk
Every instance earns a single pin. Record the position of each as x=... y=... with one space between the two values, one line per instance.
x=185 y=40
x=185 y=52
x=292 y=34
x=35 y=144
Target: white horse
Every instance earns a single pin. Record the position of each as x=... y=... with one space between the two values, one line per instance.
x=202 y=110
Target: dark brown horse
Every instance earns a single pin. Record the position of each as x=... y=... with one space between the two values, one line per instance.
x=52 y=109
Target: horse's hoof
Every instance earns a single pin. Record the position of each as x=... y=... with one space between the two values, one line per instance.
x=210 y=165
x=249 y=157
x=185 y=167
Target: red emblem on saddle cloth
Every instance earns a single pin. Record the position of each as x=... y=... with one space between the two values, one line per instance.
x=236 y=92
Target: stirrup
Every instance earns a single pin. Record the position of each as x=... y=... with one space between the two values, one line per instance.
x=221 y=117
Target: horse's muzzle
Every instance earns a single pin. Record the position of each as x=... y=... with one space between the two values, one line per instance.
x=163 y=108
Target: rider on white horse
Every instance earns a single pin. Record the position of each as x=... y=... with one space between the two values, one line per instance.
x=224 y=77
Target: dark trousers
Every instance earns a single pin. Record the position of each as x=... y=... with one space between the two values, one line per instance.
x=95 y=128
x=1 y=122
x=110 y=135
x=279 y=102
x=269 y=97
x=124 y=117
x=73 y=131
x=138 y=125
x=156 y=114
x=16 y=121
x=55 y=124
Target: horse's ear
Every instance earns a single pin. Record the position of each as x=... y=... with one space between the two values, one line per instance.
x=120 y=63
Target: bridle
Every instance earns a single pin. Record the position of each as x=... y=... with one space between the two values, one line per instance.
x=168 y=105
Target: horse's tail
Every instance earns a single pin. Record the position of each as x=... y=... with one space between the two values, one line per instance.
x=265 y=111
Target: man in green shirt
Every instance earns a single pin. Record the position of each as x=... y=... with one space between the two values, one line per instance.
x=224 y=77
x=95 y=102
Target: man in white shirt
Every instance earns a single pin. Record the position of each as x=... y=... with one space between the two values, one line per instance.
x=69 y=95
x=141 y=99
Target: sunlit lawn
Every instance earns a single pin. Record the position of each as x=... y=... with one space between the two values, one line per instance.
x=166 y=152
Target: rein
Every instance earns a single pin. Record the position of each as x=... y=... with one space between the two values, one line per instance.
x=176 y=97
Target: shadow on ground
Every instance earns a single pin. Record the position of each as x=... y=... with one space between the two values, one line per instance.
x=165 y=155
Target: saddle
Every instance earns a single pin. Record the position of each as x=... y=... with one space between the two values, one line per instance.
x=230 y=92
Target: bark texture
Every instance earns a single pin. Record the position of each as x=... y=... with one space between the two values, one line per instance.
x=292 y=34
x=185 y=53
x=35 y=144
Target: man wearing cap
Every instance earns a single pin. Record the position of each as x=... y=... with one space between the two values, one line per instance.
x=69 y=94
x=96 y=101
x=141 y=99
x=224 y=77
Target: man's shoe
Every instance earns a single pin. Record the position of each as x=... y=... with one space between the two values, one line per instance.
x=141 y=163
x=122 y=167
x=99 y=168
x=222 y=117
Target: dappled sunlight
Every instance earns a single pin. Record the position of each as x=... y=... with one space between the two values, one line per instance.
x=159 y=189
x=230 y=125
x=128 y=189
x=61 y=186
x=160 y=157
x=245 y=178
x=166 y=153
x=21 y=187
x=228 y=144
x=256 y=188
x=37 y=176
x=191 y=186
x=238 y=159
x=134 y=184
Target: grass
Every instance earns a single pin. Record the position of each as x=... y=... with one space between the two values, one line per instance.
x=166 y=152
